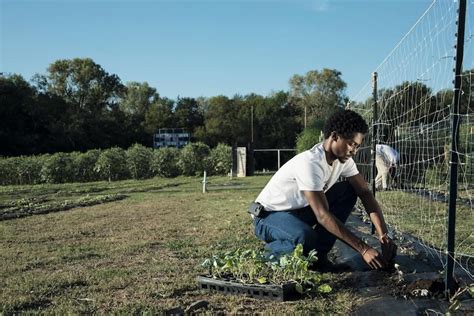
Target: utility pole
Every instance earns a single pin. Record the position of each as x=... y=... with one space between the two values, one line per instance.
x=251 y=123
x=305 y=116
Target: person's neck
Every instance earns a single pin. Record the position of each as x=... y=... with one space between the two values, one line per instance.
x=327 y=151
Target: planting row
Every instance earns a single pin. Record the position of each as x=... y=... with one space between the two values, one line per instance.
x=29 y=207
x=137 y=162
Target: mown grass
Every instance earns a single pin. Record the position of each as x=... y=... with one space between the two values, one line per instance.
x=140 y=254
x=426 y=219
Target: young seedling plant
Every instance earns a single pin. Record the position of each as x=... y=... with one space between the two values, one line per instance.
x=253 y=266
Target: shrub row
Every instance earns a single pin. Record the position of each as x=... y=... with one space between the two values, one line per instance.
x=137 y=162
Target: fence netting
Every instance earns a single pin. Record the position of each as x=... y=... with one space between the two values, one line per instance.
x=415 y=94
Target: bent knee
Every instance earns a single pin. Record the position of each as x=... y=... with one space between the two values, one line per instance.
x=307 y=238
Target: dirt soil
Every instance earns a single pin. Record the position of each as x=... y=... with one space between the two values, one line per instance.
x=412 y=286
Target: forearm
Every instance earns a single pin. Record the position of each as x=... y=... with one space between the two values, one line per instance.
x=336 y=228
x=320 y=207
x=373 y=209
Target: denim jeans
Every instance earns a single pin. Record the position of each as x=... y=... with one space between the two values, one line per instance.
x=282 y=231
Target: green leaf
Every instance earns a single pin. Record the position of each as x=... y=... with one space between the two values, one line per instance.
x=325 y=288
x=299 y=288
x=471 y=289
x=262 y=280
x=206 y=263
x=454 y=306
x=298 y=252
x=227 y=265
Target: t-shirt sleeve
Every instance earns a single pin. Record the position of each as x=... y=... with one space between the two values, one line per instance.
x=309 y=177
x=350 y=169
x=397 y=156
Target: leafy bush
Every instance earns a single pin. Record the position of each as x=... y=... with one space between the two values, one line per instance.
x=112 y=164
x=20 y=170
x=164 y=162
x=220 y=160
x=138 y=161
x=84 y=165
x=310 y=136
x=29 y=169
x=57 y=168
x=307 y=139
x=193 y=159
x=8 y=171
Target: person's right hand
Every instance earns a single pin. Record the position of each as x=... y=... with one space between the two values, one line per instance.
x=389 y=248
x=374 y=259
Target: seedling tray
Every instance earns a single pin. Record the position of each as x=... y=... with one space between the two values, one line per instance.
x=284 y=292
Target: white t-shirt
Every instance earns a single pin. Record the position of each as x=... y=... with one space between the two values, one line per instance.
x=389 y=155
x=307 y=171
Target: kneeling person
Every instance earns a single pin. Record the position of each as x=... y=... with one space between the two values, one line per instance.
x=304 y=204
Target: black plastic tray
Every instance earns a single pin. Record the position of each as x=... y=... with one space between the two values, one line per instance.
x=282 y=292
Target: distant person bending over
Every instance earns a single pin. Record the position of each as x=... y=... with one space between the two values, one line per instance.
x=304 y=204
x=386 y=162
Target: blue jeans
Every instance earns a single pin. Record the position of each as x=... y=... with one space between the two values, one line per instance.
x=282 y=231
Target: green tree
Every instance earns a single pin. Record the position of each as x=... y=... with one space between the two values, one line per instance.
x=276 y=122
x=136 y=103
x=319 y=92
x=221 y=120
x=187 y=114
x=467 y=92
x=138 y=98
x=84 y=84
x=248 y=127
x=16 y=96
x=408 y=102
x=160 y=115
x=92 y=94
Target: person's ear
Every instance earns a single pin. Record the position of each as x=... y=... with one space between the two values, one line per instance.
x=334 y=136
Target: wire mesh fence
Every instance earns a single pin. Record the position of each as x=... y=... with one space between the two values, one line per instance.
x=415 y=95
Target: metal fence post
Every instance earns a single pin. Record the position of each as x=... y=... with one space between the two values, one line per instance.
x=374 y=135
x=453 y=163
x=278 y=159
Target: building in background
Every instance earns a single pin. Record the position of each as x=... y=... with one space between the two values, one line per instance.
x=171 y=137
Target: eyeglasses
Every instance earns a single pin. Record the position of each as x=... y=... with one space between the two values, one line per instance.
x=352 y=144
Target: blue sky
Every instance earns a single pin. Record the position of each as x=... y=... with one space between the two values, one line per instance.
x=207 y=48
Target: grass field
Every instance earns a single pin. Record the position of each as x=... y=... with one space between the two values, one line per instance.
x=142 y=252
x=135 y=255
x=426 y=219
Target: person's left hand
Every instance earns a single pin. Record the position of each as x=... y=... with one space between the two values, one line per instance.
x=389 y=248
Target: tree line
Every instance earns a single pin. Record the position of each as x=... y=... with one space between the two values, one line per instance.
x=77 y=105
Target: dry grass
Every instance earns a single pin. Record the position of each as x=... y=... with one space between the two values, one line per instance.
x=137 y=255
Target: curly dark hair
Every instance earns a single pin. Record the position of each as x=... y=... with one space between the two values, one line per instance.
x=345 y=123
